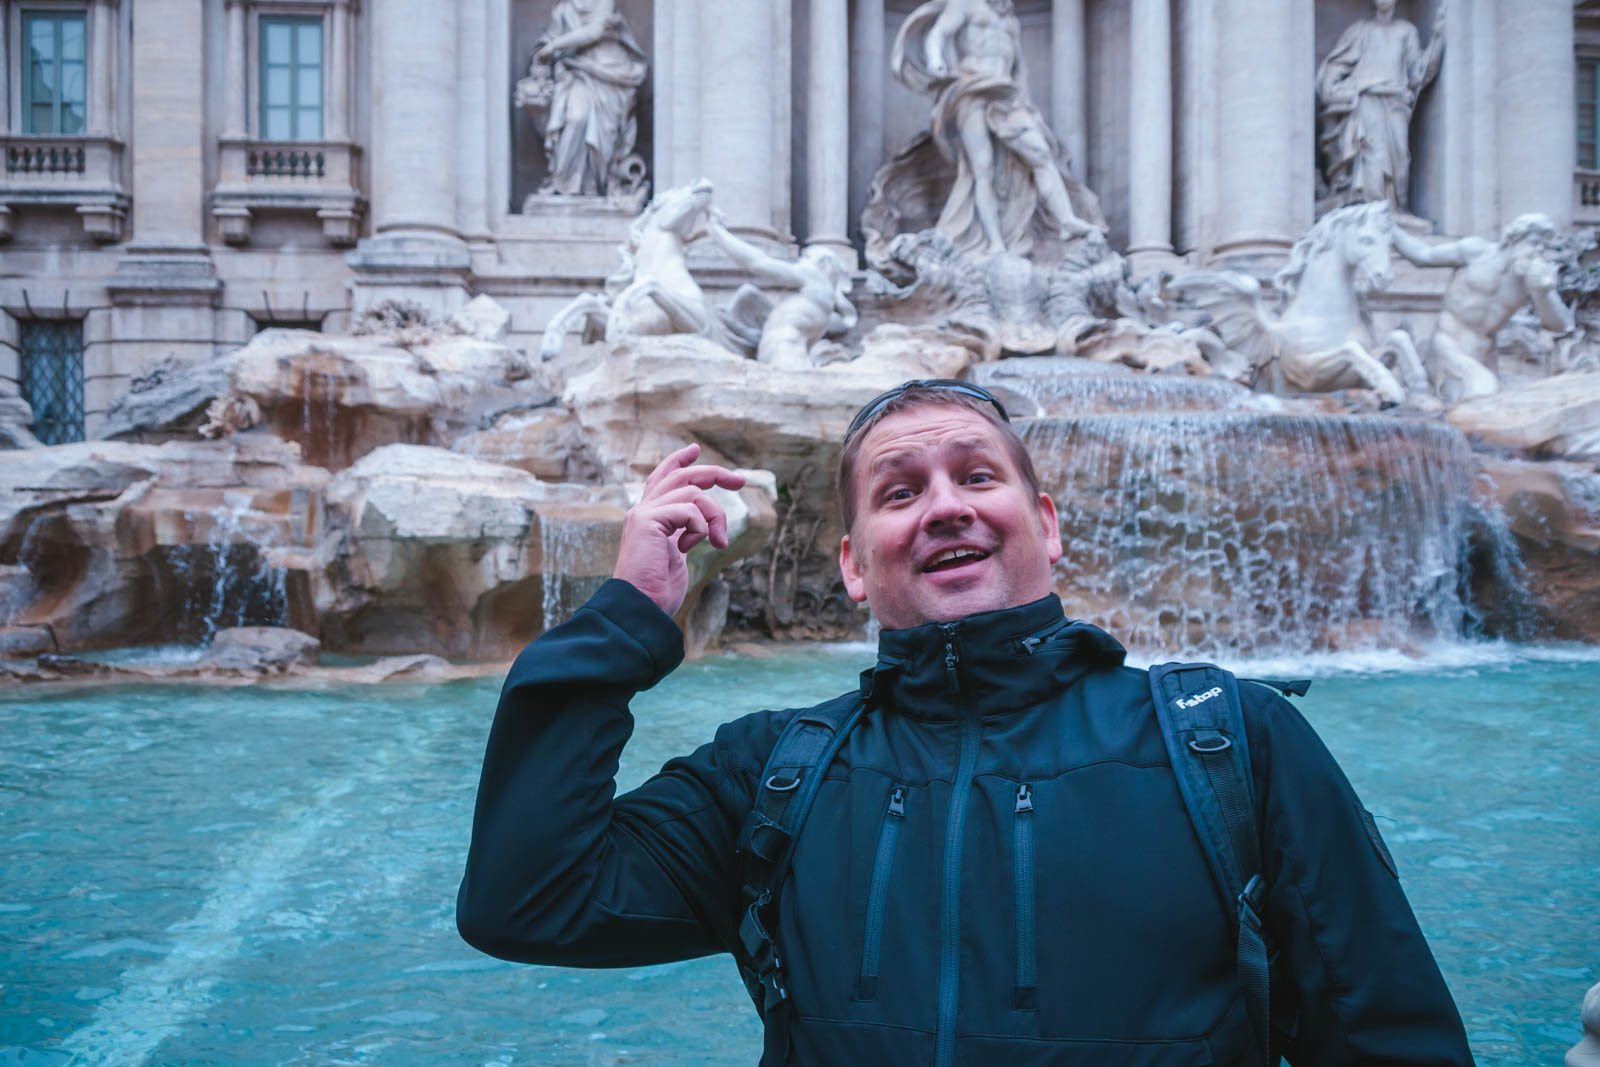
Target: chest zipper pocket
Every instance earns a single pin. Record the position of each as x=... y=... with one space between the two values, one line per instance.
x=1026 y=995
x=878 y=894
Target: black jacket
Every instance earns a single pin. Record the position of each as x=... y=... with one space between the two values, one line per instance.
x=1002 y=766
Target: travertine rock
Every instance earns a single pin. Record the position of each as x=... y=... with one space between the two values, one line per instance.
x=1559 y=416
x=260 y=650
x=1553 y=510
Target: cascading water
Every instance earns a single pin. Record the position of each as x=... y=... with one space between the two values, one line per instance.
x=559 y=543
x=1099 y=390
x=1232 y=534
x=231 y=580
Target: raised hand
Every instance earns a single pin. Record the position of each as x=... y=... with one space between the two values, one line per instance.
x=675 y=514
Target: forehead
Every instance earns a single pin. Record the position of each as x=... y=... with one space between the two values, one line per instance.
x=927 y=431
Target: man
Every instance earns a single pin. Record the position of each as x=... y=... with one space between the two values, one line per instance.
x=1367 y=88
x=1491 y=281
x=969 y=53
x=998 y=866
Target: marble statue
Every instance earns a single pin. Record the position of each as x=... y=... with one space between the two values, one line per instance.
x=1321 y=339
x=989 y=166
x=1367 y=88
x=652 y=293
x=783 y=331
x=586 y=74
x=1586 y=1053
x=1491 y=282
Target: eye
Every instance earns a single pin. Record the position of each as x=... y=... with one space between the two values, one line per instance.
x=898 y=493
x=980 y=477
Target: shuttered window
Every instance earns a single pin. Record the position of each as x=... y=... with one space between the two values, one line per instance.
x=54 y=80
x=291 y=78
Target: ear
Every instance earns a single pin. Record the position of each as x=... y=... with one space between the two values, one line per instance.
x=850 y=567
x=1050 y=526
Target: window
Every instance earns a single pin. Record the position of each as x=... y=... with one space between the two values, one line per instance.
x=291 y=78
x=52 y=377
x=1589 y=112
x=53 y=82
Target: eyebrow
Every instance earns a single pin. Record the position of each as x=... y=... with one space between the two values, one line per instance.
x=900 y=456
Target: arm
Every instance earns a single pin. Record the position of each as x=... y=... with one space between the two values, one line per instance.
x=1554 y=315
x=946 y=26
x=1448 y=254
x=556 y=871
x=1424 y=67
x=751 y=258
x=1353 y=959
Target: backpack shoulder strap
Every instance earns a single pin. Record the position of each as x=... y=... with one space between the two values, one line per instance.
x=1202 y=723
x=789 y=781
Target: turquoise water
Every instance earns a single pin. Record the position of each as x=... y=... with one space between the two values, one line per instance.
x=260 y=876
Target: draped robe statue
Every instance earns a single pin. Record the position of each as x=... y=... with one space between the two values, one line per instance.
x=1367 y=88
x=587 y=72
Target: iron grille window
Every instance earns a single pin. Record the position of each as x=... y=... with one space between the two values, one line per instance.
x=291 y=78
x=1588 y=111
x=53 y=81
x=52 y=378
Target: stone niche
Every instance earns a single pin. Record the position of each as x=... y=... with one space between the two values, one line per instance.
x=530 y=20
x=1333 y=17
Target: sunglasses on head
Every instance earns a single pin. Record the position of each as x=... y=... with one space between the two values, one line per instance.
x=942 y=385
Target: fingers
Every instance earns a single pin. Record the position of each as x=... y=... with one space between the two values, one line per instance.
x=679 y=470
x=716 y=519
x=684 y=520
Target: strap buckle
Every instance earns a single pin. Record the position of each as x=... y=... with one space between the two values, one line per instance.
x=1250 y=903
x=763 y=952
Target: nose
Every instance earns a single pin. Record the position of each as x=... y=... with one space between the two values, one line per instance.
x=945 y=504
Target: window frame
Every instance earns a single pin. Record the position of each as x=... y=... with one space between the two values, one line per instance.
x=73 y=419
x=1589 y=57
x=20 y=18
x=262 y=14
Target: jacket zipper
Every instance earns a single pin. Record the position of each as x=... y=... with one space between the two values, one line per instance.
x=877 y=896
x=950 y=917
x=1026 y=997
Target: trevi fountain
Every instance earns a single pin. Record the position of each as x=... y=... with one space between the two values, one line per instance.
x=1261 y=460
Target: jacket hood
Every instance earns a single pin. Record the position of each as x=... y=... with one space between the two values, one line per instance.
x=999 y=661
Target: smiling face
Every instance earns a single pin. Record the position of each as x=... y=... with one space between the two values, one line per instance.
x=945 y=523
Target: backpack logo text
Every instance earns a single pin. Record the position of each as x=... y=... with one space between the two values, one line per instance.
x=1196 y=701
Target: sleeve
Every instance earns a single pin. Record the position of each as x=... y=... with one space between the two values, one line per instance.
x=1360 y=982
x=559 y=872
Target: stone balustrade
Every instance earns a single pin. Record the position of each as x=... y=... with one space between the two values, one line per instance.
x=82 y=173
x=314 y=177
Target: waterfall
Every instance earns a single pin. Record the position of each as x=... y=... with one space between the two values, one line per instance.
x=558 y=555
x=230 y=579
x=1228 y=534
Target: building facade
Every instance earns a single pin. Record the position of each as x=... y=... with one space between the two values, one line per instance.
x=180 y=174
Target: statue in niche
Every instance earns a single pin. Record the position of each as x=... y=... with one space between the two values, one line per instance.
x=652 y=293
x=785 y=332
x=1322 y=338
x=585 y=74
x=1367 y=88
x=1492 y=280
x=989 y=174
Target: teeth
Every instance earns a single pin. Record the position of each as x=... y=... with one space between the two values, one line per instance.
x=953 y=553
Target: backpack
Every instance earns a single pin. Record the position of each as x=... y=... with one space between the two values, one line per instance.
x=1202 y=723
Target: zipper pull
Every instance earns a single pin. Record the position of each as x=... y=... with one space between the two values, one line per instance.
x=897 y=801
x=950 y=658
x=1024 y=798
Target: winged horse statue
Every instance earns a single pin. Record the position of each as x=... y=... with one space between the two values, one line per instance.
x=1322 y=336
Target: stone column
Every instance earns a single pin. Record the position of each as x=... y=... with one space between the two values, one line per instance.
x=5 y=83
x=736 y=87
x=1069 y=96
x=1256 y=67
x=685 y=91
x=1537 y=103
x=416 y=252
x=868 y=67
x=237 y=67
x=102 y=68
x=338 y=72
x=1150 y=132
x=828 y=129
x=414 y=115
x=472 y=116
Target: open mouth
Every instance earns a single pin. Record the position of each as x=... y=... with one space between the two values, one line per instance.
x=952 y=558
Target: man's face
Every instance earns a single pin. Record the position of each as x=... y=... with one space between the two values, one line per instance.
x=945 y=522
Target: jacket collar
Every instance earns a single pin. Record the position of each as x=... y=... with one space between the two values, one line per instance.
x=995 y=661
